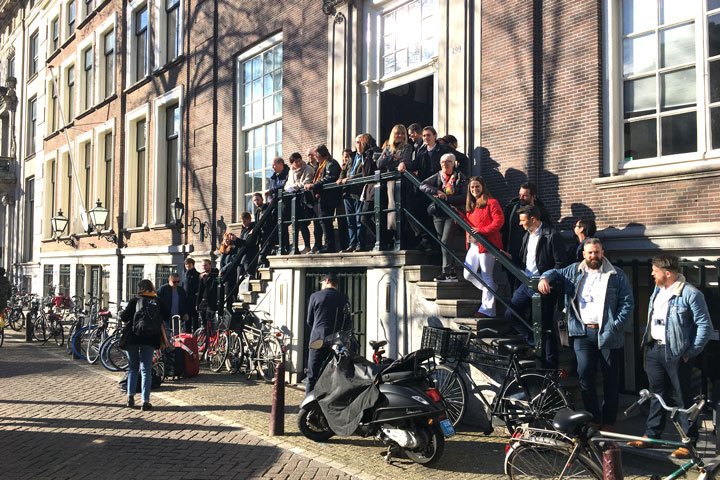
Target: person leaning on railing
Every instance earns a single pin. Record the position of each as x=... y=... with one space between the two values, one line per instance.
x=484 y=215
x=327 y=173
x=449 y=185
x=300 y=174
x=370 y=153
x=397 y=153
x=228 y=250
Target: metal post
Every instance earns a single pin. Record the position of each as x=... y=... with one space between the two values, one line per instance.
x=398 y=213
x=538 y=331
x=293 y=222
x=277 y=412
x=280 y=221
x=378 y=207
x=612 y=461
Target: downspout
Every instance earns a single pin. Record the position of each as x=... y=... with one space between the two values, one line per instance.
x=120 y=167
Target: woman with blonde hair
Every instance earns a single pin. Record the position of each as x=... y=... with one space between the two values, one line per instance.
x=485 y=217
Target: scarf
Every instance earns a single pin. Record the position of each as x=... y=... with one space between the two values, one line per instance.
x=448 y=186
x=319 y=171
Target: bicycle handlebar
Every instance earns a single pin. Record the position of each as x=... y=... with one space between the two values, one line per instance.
x=645 y=395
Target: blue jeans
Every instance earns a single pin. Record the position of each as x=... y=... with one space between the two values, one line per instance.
x=140 y=358
x=677 y=371
x=588 y=355
x=355 y=230
x=522 y=301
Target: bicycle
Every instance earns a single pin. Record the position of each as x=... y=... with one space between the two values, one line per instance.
x=526 y=395
x=572 y=450
x=212 y=345
x=257 y=347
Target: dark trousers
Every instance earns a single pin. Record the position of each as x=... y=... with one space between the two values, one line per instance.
x=316 y=359
x=327 y=209
x=588 y=356
x=444 y=228
x=368 y=222
x=192 y=323
x=356 y=231
x=659 y=371
x=522 y=302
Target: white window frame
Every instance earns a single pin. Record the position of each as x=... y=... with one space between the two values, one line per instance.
x=613 y=117
x=49 y=194
x=33 y=56
x=132 y=75
x=66 y=20
x=84 y=103
x=62 y=185
x=85 y=11
x=240 y=148
x=160 y=33
x=107 y=128
x=174 y=96
x=32 y=138
x=110 y=25
x=50 y=112
x=64 y=67
x=54 y=18
x=130 y=206
x=79 y=159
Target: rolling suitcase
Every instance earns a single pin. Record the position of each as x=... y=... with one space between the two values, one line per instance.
x=187 y=360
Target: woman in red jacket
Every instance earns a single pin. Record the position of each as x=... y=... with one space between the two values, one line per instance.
x=484 y=215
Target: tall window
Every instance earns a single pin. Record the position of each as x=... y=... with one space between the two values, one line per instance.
x=29 y=219
x=64 y=280
x=87 y=175
x=80 y=280
x=670 y=87
x=87 y=78
x=70 y=90
x=67 y=190
x=87 y=7
x=70 y=17
x=172 y=28
x=134 y=275
x=109 y=56
x=172 y=129
x=141 y=160
x=141 y=37
x=48 y=287
x=11 y=67
x=53 y=187
x=108 y=169
x=261 y=117
x=410 y=36
x=33 y=61
x=54 y=112
x=32 y=125
x=55 y=33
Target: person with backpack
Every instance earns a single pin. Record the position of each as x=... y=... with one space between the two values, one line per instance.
x=142 y=322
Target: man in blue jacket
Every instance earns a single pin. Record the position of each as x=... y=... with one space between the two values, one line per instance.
x=598 y=303
x=677 y=330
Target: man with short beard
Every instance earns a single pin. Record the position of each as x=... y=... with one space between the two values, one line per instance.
x=678 y=328
x=512 y=232
x=598 y=303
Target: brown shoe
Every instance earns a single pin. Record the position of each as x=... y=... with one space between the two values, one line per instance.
x=640 y=443
x=681 y=453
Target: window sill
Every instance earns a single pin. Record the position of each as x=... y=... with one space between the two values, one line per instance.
x=47 y=240
x=85 y=113
x=138 y=84
x=70 y=124
x=101 y=6
x=660 y=174
x=86 y=20
x=32 y=77
x=167 y=226
x=68 y=40
x=144 y=228
x=173 y=63
x=51 y=135
x=30 y=156
x=52 y=55
x=106 y=101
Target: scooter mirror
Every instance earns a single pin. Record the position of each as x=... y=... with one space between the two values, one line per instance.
x=317 y=344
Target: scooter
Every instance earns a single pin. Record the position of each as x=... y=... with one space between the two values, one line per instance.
x=408 y=415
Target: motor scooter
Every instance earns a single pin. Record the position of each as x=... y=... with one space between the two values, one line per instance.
x=406 y=412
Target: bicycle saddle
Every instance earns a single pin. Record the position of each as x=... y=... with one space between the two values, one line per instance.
x=568 y=421
x=516 y=348
x=375 y=344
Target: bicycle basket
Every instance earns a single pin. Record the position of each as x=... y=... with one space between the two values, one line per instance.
x=444 y=341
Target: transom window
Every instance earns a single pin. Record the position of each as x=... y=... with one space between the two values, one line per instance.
x=409 y=36
x=261 y=94
x=667 y=48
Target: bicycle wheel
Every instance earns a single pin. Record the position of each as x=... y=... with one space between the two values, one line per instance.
x=219 y=353
x=39 y=329
x=104 y=354
x=58 y=333
x=201 y=338
x=453 y=391
x=79 y=341
x=97 y=337
x=269 y=357
x=234 y=359
x=117 y=357
x=538 y=409
x=16 y=319
x=536 y=461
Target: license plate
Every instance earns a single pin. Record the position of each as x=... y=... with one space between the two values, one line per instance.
x=447 y=428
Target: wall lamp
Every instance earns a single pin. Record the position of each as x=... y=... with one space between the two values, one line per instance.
x=98 y=216
x=59 y=223
x=197 y=226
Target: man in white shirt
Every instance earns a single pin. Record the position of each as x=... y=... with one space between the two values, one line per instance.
x=678 y=328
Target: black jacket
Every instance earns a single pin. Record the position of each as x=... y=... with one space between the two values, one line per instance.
x=207 y=291
x=427 y=163
x=433 y=185
x=550 y=251
x=512 y=232
x=326 y=313
x=127 y=317
x=191 y=283
x=463 y=162
x=164 y=294
x=277 y=182
x=368 y=168
x=329 y=176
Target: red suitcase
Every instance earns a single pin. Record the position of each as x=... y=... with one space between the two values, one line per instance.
x=188 y=343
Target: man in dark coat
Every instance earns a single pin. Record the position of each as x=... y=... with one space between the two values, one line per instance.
x=207 y=292
x=173 y=296
x=327 y=173
x=191 y=283
x=326 y=315
x=542 y=249
x=512 y=232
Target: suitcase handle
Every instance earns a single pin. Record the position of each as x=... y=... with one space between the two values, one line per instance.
x=175 y=318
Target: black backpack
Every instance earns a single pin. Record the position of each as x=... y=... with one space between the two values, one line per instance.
x=147 y=320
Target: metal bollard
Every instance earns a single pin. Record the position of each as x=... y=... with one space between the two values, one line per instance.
x=277 y=414
x=612 y=461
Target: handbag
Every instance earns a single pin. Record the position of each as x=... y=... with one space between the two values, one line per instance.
x=563 y=332
x=125 y=336
x=164 y=342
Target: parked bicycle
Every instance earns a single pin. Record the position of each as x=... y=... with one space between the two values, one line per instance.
x=572 y=449
x=254 y=345
x=526 y=394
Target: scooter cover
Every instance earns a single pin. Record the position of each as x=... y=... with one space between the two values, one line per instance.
x=346 y=388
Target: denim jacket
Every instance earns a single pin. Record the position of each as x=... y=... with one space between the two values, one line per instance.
x=618 y=301
x=688 y=324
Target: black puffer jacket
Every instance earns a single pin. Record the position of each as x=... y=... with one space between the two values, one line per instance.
x=127 y=319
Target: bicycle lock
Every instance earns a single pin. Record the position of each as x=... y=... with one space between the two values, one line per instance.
x=612 y=461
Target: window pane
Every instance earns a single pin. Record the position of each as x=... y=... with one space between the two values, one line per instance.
x=389 y=43
x=389 y=64
x=256 y=68
x=278 y=103
x=672 y=11
x=248 y=140
x=247 y=95
x=268 y=107
x=414 y=54
x=639 y=54
x=270 y=133
x=257 y=111
x=640 y=140
x=257 y=89
x=639 y=15
x=679 y=133
x=714 y=35
x=259 y=138
x=267 y=62
x=677 y=45
x=429 y=49
x=713 y=4
x=278 y=124
x=247 y=71
x=715 y=81
x=715 y=127
x=267 y=84
x=277 y=52
x=277 y=81
x=401 y=59
x=677 y=89
x=639 y=97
